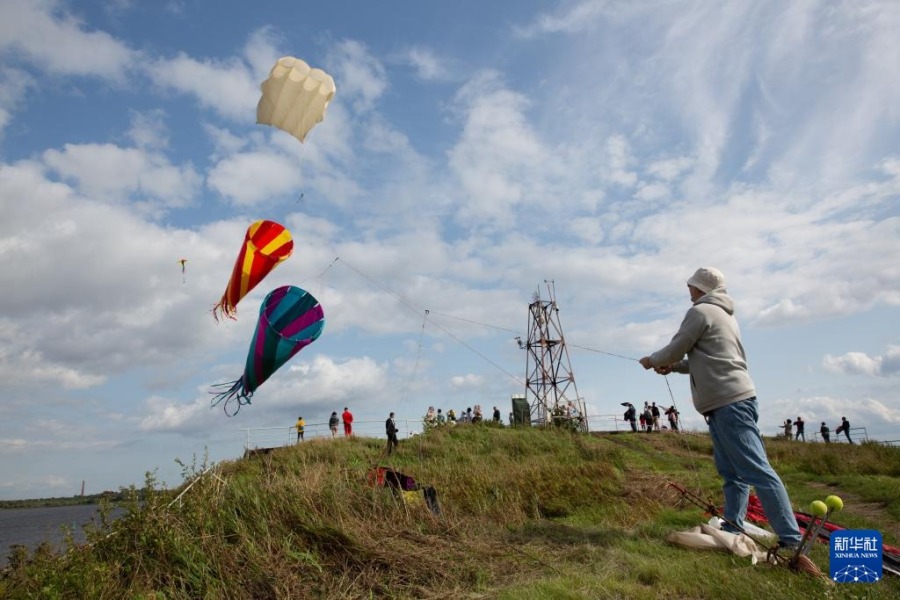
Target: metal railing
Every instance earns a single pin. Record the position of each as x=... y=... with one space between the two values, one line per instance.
x=857 y=434
x=620 y=424
x=597 y=422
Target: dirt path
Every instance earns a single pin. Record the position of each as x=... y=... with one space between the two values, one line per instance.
x=873 y=511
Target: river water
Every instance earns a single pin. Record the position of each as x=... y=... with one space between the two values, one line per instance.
x=32 y=526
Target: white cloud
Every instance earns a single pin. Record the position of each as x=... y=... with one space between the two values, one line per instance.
x=250 y=178
x=49 y=37
x=19 y=445
x=225 y=86
x=669 y=169
x=114 y=174
x=362 y=76
x=148 y=130
x=224 y=141
x=327 y=379
x=39 y=483
x=852 y=362
x=498 y=155
x=105 y=277
x=649 y=192
x=427 y=64
x=619 y=160
x=29 y=367
x=574 y=17
x=167 y=415
x=229 y=86
x=588 y=229
x=860 y=363
x=468 y=381
x=14 y=84
x=261 y=51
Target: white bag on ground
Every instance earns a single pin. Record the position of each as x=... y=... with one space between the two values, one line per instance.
x=705 y=537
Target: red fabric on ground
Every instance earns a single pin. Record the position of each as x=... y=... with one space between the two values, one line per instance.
x=756 y=515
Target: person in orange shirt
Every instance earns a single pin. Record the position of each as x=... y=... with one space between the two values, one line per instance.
x=347 y=418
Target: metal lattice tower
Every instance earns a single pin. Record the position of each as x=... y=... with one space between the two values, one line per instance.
x=550 y=383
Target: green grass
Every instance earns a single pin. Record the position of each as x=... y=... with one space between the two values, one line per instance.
x=526 y=514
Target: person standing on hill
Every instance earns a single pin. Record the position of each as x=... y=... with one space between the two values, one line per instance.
x=845 y=427
x=496 y=415
x=826 y=433
x=300 y=425
x=788 y=429
x=631 y=416
x=672 y=414
x=724 y=393
x=648 y=419
x=654 y=410
x=390 y=428
x=799 y=424
x=347 y=418
x=333 y=423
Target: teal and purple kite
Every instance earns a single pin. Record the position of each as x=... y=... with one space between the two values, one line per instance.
x=289 y=320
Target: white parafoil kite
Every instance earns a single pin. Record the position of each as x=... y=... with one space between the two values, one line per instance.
x=294 y=97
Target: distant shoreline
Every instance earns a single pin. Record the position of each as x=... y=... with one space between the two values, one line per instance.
x=63 y=501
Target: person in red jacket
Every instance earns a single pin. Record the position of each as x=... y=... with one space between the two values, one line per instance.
x=347 y=417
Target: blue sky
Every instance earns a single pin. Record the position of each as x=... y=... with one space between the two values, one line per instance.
x=473 y=151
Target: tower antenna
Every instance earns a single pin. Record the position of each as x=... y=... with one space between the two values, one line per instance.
x=549 y=380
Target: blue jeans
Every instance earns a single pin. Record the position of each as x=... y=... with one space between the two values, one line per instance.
x=741 y=461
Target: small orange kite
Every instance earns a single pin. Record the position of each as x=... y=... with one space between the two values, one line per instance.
x=266 y=244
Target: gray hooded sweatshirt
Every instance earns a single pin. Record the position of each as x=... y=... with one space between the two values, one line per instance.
x=710 y=337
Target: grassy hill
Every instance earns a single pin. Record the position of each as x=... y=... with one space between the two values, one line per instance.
x=525 y=514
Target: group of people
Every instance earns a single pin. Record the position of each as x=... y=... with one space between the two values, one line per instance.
x=333 y=422
x=650 y=416
x=437 y=418
x=565 y=415
x=796 y=430
x=432 y=419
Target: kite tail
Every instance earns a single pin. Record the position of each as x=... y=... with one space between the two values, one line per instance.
x=234 y=392
x=228 y=310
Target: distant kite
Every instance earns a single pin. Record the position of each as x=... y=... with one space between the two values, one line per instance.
x=266 y=244
x=183 y=261
x=294 y=97
x=289 y=320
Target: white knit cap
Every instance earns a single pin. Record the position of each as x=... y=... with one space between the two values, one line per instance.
x=706 y=279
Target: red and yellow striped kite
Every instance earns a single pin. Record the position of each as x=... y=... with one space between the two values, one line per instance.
x=266 y=244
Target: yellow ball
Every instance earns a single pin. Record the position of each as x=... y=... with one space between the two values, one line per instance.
x=818 y=508
x=834 y=503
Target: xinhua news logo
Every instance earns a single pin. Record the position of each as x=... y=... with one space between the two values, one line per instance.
x=855 y=556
